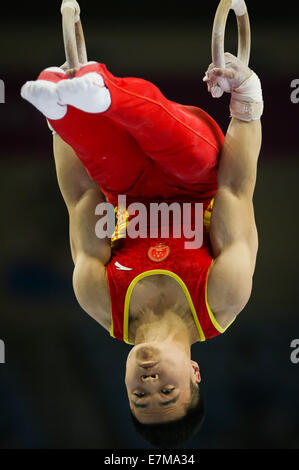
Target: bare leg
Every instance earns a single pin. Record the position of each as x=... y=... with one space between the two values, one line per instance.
x=110 y=154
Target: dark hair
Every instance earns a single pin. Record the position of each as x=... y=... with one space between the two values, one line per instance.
x=171 y=434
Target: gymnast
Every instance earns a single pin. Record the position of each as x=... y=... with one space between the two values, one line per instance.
x=121 y=136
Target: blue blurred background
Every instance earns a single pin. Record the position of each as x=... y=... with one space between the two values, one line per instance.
x=63 y=382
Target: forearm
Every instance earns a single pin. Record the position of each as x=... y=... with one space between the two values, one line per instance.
x=81 y=195
x=233 y=232
x=238 y=161
x=73 y=179
x=233 y=218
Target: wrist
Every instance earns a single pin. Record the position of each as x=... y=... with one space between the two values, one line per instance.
x=247 y=100
x=245 y=111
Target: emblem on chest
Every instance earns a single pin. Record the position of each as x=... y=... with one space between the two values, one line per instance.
x=159 y=252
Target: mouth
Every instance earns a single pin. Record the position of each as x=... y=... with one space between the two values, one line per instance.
x=148 y=365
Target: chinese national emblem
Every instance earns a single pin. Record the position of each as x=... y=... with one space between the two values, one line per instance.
x=158 y=252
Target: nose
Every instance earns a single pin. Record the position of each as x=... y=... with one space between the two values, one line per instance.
x=149 y=378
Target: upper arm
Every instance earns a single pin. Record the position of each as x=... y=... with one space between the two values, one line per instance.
x=234 y=243
x=230 y=281
x=232 y=223
x=91 y=286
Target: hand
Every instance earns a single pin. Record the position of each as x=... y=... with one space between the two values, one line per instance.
x=228 y=79
x=70 y=72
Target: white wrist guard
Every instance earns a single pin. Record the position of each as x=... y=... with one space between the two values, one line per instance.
x=75 y=6
x=247 y=100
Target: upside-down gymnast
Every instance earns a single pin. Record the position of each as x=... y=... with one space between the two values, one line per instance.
x=117 y=136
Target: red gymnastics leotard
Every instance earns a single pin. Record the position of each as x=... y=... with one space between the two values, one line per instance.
x=150 y=149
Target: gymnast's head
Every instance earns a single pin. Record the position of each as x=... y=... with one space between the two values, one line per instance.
x=162 y=382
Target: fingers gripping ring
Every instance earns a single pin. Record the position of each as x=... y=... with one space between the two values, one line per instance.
x=218 y=35
x=73 y=36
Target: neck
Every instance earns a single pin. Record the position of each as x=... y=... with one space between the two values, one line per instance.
x=166 y=327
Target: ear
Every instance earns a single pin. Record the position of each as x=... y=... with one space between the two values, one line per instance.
x=196 y=371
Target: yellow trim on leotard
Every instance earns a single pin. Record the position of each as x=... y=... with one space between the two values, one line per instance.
x=111 y=328
x=207 y=221
x=151 y=273
x=208 y=214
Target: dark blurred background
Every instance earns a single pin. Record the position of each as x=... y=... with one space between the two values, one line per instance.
x=62 y=385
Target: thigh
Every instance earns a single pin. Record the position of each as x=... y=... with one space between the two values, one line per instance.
x=107 y=150
x=184 y=140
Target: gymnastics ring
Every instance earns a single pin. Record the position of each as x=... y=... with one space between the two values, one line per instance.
x=244 y=35
x=73 y=36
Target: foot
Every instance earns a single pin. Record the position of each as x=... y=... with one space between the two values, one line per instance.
x=43 y=95
x=87 y=93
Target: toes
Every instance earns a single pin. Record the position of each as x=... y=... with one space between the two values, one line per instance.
x=43 y=95
x=32 y=90
x=87 y=84
x=26 y=90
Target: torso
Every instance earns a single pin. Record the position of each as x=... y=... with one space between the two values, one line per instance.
x=157 y=293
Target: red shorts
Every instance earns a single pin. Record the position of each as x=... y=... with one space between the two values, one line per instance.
x=144 y=146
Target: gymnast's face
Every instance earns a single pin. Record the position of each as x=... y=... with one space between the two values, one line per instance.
x=158 y=382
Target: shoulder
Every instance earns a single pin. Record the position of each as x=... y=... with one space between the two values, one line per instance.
x=229 y=283
x=91 y=288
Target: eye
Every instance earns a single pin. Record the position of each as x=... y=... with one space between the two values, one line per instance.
x=139 y=395
x=167 y=391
